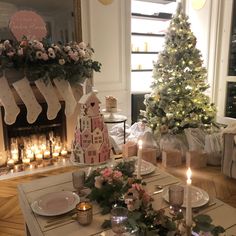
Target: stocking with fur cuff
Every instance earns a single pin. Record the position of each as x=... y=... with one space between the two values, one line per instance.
x=48 y=92
x=26 y=94
x=65 y=91
x=8 y=102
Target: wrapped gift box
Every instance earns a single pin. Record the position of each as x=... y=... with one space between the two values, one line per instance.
x=150 y=155
x=171 y=158
x=196 y=159
x=129 y=149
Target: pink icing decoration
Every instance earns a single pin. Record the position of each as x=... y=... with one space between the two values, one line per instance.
x=29 y=24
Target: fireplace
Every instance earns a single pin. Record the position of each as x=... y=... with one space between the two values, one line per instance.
x=57 y=136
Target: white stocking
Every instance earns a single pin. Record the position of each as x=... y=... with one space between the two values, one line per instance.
x=50 y=96
x=65 y=91
x=8 y=102
x=26 y=94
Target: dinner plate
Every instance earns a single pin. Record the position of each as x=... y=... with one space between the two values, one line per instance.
x=56 y=203
x=199 y=197
x=146 y=168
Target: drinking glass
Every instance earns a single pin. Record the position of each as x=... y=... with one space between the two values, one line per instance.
x=176 y=198
x=119 y=220
x=78 y=179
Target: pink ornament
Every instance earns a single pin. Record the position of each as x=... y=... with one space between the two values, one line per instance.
x=29 y=24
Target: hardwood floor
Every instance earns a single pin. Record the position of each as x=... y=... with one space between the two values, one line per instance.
x=11 y=218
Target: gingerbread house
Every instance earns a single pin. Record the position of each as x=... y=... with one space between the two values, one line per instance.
x=91 y=141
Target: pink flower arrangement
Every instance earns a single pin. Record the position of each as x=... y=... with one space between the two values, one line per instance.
x=107 y=175
x=136 y=197
x=72 y=61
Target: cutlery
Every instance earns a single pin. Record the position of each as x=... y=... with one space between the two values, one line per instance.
x=56 y=218
x=158 y=191
x=60 y=221
x=197 y=210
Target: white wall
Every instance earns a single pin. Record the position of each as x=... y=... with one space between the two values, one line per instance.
x=204 y=24
x=107 y=29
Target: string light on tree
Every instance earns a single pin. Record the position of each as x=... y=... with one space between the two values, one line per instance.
x=179 y=83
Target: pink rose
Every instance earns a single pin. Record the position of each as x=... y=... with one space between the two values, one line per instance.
x=45 y=56
x=20 y=51
x=106 y=172
x=117 y=174
x=10 y=54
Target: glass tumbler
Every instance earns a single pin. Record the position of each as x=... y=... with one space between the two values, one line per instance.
x=119 y=220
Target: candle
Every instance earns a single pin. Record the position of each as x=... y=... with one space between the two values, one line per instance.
x=10 y=163
x=14 y=156
x=84 y=213
x=63 y=152
x=29 y=154
x=26 y=161
x=188 y=199
x=39 y=156
x=55 y=154
x=46 y=154
x=140 y=143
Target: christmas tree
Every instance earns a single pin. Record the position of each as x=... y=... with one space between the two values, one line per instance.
x=177 y=100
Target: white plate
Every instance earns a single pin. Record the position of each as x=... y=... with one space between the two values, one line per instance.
x=146 y=168
x=199 y=197
x=56 y=203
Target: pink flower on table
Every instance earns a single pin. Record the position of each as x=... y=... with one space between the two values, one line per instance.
x=117 y=174
x=11 y=54
x=20 y=51
x=107 y=172
x=137 y=187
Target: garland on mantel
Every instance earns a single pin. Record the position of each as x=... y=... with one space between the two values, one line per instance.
x=72 y=62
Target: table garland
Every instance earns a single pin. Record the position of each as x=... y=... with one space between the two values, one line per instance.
x=118 y=187
x=72 y=61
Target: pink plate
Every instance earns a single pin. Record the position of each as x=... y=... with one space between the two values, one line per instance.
x=55 y=203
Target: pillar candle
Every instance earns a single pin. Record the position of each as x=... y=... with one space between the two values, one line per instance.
x=140 y=143
x=188 y=199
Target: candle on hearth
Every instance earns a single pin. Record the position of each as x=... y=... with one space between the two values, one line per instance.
x=26 y=161
x=14 y=155
x=140 y=144
x=188 y=199
x=10 y=163
x=55 y=154
x=63 y=152
x=29 y=154
x=46 y=154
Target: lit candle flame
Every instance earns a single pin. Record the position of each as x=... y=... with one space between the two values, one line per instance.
x=189 y=173
x=140 y=144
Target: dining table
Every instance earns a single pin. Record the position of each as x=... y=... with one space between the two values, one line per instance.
x=66 y=225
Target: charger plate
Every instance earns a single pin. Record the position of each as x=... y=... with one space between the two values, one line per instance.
x=199 y=197
x=56 y=203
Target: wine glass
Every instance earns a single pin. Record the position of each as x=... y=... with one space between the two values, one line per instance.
x=78 y=179
x=119 y=220
x=176 y=198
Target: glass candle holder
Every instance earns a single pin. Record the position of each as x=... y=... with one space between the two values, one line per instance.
x=78 y=179
x=84 y=213
x=176 y=198
x=119 y=219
